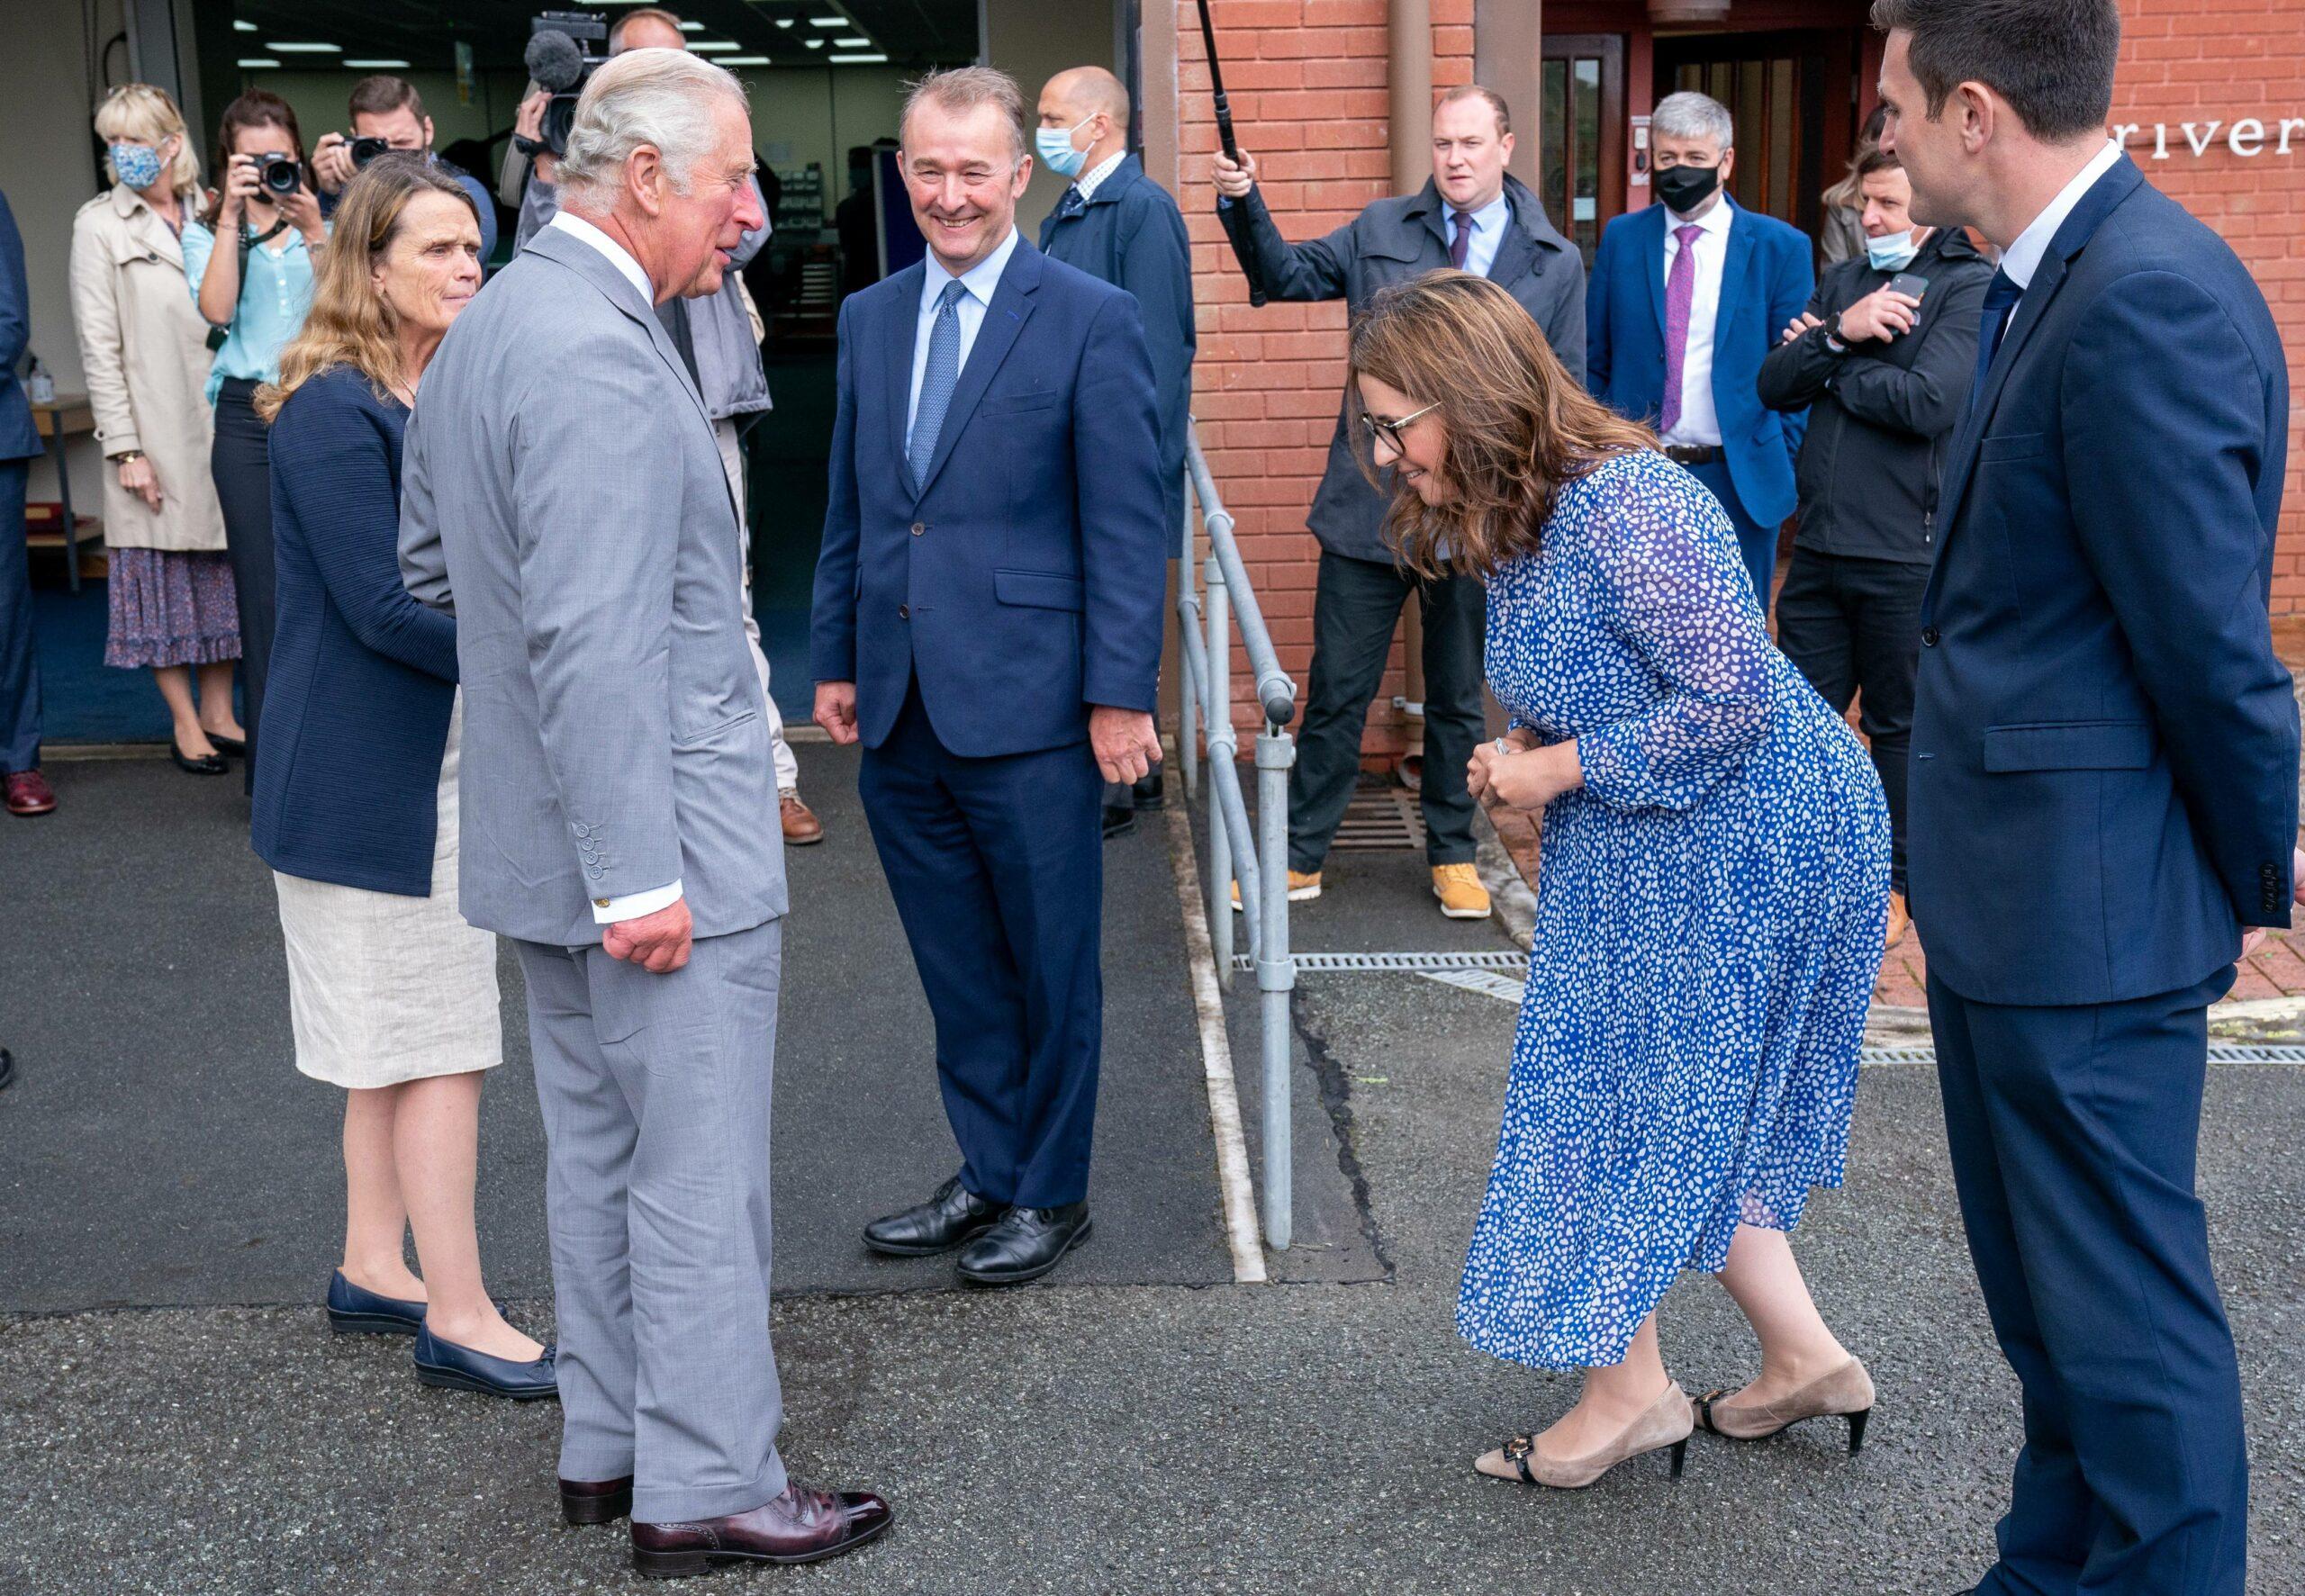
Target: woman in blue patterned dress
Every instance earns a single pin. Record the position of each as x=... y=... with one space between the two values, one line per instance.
x=1710 y=908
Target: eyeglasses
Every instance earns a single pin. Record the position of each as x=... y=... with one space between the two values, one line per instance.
x=1391 y=430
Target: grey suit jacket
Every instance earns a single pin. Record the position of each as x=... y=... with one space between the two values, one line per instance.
x=563 y=494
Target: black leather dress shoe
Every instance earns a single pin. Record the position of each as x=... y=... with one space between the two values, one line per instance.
x=595 y=1501
x=207 y=764
x=1118 y=822
x=7 y=1067
x=801 y=1526
x=1147 y=793
x=1027 y=1244
x=954 y=1215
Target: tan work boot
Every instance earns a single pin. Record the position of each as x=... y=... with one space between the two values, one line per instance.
x=1304 y=887
x=801 y=823
x=1458 y=889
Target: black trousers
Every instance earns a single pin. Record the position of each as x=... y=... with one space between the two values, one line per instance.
x=241 y=464
x=1354 y=611
x=1852 y=626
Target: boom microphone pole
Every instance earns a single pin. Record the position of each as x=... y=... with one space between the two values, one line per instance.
x=1235 y=216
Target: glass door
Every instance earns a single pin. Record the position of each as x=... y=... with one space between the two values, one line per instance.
x=1793 y=98
x=1580 y=134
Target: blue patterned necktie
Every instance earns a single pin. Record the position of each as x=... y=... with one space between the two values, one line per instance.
x=1073 y=203
x=2000 y=295
x=937 y=382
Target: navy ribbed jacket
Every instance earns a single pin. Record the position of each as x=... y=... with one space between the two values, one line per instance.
x=363 y=680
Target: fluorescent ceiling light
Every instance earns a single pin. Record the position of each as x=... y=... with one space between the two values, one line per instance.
x=691 y=27
x=784 y=21
x=858 y=60
x=259 y=63
x=744 y=60
x=853 y=43
x=712 y=46
x=383 y=65
x=814 y=44
x=304 y=49
x=830 y=22
x=241 y=27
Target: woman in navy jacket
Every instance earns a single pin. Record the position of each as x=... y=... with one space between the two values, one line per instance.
x=392 y=994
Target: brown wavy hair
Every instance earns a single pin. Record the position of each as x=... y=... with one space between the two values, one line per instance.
x=1517 y=424
x=349 y=324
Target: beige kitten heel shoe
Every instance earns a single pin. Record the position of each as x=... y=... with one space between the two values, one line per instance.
x=1667 y=1423
x=1847 y=1393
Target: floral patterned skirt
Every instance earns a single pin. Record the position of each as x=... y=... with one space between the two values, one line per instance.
x=171 y=607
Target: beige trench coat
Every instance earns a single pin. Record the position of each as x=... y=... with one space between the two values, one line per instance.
x=145 y=350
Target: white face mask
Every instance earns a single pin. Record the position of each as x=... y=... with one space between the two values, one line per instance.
x=1892 y=252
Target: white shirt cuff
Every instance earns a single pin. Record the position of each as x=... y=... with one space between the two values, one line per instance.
x=608 y=911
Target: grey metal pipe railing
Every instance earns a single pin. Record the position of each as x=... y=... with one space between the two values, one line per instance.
x=1258 y=856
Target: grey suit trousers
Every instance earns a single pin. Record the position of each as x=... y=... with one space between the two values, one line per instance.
x=656 y=1097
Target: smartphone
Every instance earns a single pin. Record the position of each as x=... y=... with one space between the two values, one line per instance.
x=1909 y=282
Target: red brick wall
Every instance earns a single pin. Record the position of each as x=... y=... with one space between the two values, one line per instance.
x=2203 y=60
x=1307 y=82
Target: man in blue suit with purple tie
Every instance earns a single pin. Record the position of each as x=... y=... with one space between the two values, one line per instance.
x=988 y=624
x=2103 y=799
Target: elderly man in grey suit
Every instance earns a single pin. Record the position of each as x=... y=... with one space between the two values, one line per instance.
x=563 y=495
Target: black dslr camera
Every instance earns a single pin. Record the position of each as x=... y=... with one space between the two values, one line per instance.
x=365 y=150
x=564 y=47
x=279 y=174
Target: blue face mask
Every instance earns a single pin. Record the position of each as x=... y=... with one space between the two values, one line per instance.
x=1892 y=252
x=137 y=165
x=1054 y=147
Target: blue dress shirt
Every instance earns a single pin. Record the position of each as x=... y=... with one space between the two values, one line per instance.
x=979 y=280
x=1488 y=231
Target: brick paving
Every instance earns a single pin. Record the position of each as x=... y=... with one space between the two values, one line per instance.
x=2276 y=970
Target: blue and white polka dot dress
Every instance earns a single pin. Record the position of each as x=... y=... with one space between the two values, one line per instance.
x=1710 y=911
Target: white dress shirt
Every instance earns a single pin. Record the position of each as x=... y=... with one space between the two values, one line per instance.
x=2023 y=257
x=608 y=911
x=1489 y=224
x=1090 y=180
x=1700 y=423
x=979 y=280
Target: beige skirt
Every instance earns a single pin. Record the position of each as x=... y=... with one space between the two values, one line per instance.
x=383 y=988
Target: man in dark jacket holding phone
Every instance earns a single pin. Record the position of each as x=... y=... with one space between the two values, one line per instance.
x=1882 y=359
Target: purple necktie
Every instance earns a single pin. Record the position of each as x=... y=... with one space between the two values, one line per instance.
x=1464 y=240
x=1680 y=288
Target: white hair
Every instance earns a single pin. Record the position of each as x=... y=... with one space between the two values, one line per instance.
x=1691 y=115
x=659 y=97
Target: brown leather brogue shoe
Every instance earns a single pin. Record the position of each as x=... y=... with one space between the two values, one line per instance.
x=801 y=823
x=28 y=793
x=801 y=1526
x=595 y=1501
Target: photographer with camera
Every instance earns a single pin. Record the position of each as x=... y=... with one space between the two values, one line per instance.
x=254 y=291
x=387 y=113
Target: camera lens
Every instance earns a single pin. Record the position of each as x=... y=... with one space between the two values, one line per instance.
x=279 y=173
x=365 y=150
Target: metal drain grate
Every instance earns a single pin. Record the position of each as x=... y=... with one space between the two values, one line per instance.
x=2222 y=1052
x=1380 y=820
x=1398 y=963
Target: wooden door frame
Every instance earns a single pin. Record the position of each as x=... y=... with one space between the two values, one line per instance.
x=1609 y=200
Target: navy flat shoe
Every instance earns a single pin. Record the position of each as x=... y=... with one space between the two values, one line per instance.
x=452 y=1367
x=355 y=1311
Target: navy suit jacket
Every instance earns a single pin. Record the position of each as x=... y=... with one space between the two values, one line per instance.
x=363 y=677
x=19 y=439
x=1023 y=581
x=2104 y=749
x=1132 y=235
x=1765 y=282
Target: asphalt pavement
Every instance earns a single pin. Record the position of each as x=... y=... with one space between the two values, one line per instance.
x=1089 y=1434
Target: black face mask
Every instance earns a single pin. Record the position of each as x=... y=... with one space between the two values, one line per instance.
x=1684 y=188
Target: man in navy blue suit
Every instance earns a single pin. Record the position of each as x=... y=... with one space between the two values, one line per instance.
x=1688 y=298
x=988 y=623
x=2103 y=798
x=23 y=790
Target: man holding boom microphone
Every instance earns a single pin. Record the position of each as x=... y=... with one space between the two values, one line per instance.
x=1475 y=218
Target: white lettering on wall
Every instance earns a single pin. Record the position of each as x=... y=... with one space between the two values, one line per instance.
x=2245 y=137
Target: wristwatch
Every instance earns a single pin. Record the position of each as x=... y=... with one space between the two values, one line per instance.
x=126 y=456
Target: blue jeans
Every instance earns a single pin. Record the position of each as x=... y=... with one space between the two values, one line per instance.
x=19 y=668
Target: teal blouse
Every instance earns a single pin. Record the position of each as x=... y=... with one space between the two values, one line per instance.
x=276 y=293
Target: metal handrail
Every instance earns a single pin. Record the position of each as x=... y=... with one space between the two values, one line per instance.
x=1258 y=854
